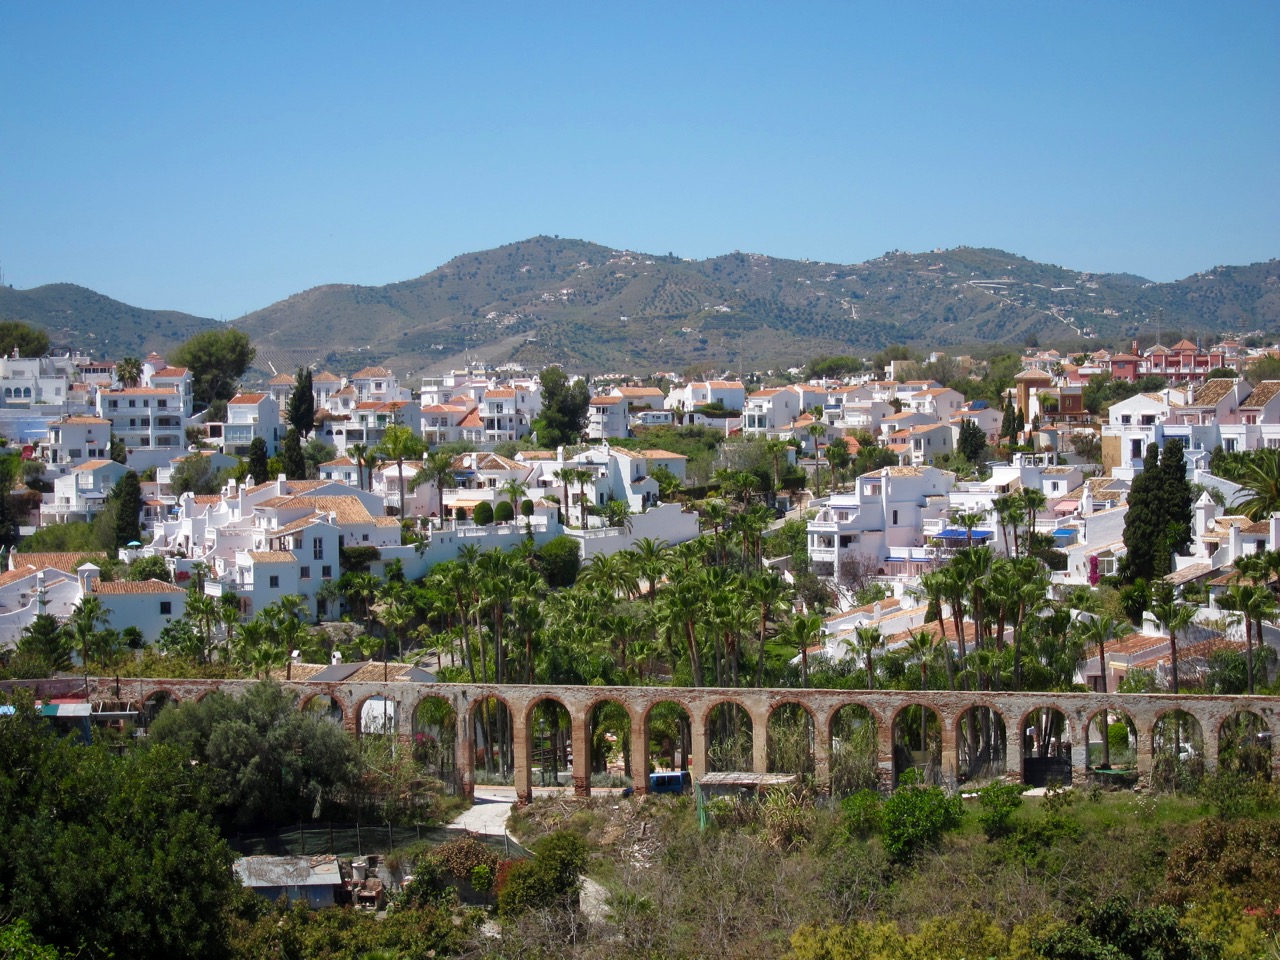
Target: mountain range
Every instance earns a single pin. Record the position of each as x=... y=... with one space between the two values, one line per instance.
x=597 y=309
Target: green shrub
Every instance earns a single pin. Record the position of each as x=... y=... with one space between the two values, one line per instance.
x=915 y=818
x=504 y=512
x=999 y=802
x=552 y=877
x=483 y=514
x=861 y=814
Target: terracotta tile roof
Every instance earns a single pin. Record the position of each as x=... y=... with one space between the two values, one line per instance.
x=84 y=421
x=325 y=377
x=503 y=393
x=281 y=379
x=349 y=509
x=368 y=373
x=340 y=462
x=661 y=455
x=486 y=461
x=209 y=498
x=1262 y=394
x=640 y=393
x=171 y=373
x=247 y=399
x=13 y=576
x=905 y=471
x=1033 y=375
x=472 y=420
x=299 y=524
x=123 y=587
x=1182 y=345
x=91 y=465
x=1211 y=392
x=272 y=556
x=272 y=502
x=595 y=401
x=386 y=521
x=143 y=392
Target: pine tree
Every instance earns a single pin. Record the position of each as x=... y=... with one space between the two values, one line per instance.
x=295 y=464
x=128 y=497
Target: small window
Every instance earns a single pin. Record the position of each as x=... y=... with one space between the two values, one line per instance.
x=304 y=573
x=273 y=581
x=364 y=536
x=166 y=607
x=326 y=572
x=317 y=548
x=895 y=518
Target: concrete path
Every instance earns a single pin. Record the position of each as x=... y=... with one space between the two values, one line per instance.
x=489 y=814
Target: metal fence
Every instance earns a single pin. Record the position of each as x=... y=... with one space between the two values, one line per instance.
x=355 y=839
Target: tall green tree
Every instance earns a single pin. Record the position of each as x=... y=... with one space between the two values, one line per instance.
x=972 y=441
x=10 y=469
x=45 y=640
x=1144 y=521
x=437 y=470
x=399 y=443
x=128 y=497
x=258 y=466
x=110 y=856
x=301 y=410
x=295 y=464
x=564 y=409
x=29 y=341
x=129 y=371
x=217 y=359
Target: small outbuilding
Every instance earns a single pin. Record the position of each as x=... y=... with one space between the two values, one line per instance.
x=315 y=880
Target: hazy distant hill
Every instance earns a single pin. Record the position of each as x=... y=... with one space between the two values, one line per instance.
x=78 y=318
x=598 y=308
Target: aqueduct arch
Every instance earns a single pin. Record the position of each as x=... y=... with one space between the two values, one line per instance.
x=1209 y=713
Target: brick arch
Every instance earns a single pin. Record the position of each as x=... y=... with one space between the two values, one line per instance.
x=1090 y=722
x=808 y=708
x=944 y=721
x=305 y=702
x=356 y=717
x=1169 y=710
x=526 y=717
x=1068 y=727
x=970 y=767
x=1270 y=721
x=634 y=712
x=173 y=697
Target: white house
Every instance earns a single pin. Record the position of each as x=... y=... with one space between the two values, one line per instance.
x=80 y=494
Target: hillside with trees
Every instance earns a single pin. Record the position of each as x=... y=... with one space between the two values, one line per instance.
x=80 y=319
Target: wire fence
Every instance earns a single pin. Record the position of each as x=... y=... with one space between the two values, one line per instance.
x=356 y=839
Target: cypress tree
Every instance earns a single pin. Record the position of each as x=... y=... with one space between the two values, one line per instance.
x=128 y=497
x=1145 y=520
x=295 y=464
x=1008 y=424
x=301 y=410
x=258 y=466
x=1176 y=509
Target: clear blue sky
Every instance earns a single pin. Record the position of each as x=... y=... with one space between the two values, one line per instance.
x=216 y=157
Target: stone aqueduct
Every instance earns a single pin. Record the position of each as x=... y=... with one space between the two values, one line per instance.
x=1079 y=710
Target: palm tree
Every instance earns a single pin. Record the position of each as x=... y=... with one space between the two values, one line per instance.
x=436 y=469
x=869 y=640
x=514 y=489
x=1252 y=603
x=1008 y=512
x=803 y=630
x=88 y=616
x=358 y=452
x=766 y=594
x=129 y=371
x=1173 y=615
x=648 y=560
x=1033 y=501
x=817 y=430
x=399 y=443
x=1260 y=479
x=968 y=520
x=1099 y=632
x=202 y=610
